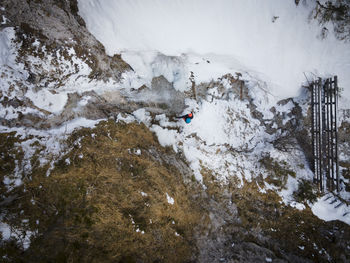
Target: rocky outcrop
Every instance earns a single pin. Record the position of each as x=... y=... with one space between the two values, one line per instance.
x=57 y=25
x=112 y=193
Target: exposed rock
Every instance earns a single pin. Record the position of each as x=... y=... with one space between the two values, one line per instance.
x=57 y=24
x=89 y=197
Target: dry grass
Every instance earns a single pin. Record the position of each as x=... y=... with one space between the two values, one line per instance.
x=288 y=228
x=277 y=171
x=92 y=210
x=265 y=220
x=10 y=155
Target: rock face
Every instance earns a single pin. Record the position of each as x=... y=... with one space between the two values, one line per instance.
x=58 y=25
x=54 y=51
x=112 y=193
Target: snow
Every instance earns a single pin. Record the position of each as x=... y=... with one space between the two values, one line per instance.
x=227 y=141
x=286 y=107
x=165 y=137
x=277 y=52
x=23 y=237
x=5 y=231
x=64 y=76
x=153 y=64
x=329 y=208
x=126 y=119
x=223 y=137
x=12 y=113
x=207 y=135
x=142 y=116
x=84 y=101
x=164 y=121
x=169 y=199
x=297 y=205
x=139 y=231
x=6 y=50
x=46 y=100
x=220 y=122
x=4 y=20
x=291 y=186
x=187 y=41
x=52 y=139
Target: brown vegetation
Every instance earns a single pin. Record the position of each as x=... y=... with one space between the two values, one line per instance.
x=91 y=208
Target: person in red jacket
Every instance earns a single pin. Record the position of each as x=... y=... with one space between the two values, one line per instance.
x=187 y=118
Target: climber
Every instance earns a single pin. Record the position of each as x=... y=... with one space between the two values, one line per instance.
x=187 y=118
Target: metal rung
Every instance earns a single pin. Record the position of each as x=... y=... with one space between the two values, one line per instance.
x=324 y=133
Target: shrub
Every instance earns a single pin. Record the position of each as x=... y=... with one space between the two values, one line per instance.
x=305 y=192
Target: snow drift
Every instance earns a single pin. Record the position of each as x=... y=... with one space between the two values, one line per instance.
x=276 y=40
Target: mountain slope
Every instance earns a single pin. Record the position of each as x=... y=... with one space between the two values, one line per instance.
x=95 y=167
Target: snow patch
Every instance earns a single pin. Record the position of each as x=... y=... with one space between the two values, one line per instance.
x=143 y=116
x=169 y=199
x=328 y=208
x=44 y=99
x=6 y=51
x=165 y=137
x=23 y=237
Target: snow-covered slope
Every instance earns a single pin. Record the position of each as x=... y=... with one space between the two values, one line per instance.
x=275 y=46
x=228 y=140
x=276 y=41
x=228 y=62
